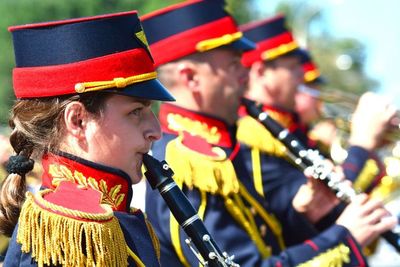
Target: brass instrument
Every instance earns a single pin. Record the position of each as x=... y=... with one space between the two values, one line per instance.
x=339 y=106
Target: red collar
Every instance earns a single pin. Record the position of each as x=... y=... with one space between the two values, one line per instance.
x=175 y=120
x=115 y=185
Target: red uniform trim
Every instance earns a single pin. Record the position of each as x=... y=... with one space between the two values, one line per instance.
x=184 y=43
x=166 y=109
x=356 y=252
x=309 y=66
x=252 y=56
x=61 y=79
x=312 y=245
x=106 y=179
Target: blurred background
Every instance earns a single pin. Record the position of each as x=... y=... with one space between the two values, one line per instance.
x=354 y=43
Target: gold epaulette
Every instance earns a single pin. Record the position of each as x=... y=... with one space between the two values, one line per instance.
x=334 y=257
x=253 y=134
x=212 y=174
x=56 y=235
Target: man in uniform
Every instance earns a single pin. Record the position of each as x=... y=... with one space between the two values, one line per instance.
x=363 y=166
x=197 y=47
x=275 y=73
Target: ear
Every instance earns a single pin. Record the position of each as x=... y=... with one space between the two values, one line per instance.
x=188 y=75
x=75 y=118
x=257 y=69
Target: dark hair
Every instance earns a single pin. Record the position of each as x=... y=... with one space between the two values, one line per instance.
x=37 y=127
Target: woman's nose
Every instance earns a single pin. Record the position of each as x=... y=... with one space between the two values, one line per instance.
x=154 y=131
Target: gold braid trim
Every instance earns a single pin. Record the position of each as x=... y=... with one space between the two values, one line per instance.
x=257 y=175
x=175 y=239
x=54 y=239
x=192 y=167
x=235 y=206
x=154 y=238
x=366 y=176
x=334 y=257
x=253 y=134
x=270 y=219
x=118 y=83
x=311 y=75
x=135 y=257
x=280 y=50
x=219 y=41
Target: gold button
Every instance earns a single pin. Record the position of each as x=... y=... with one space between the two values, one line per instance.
x=80 y=88
x=263 y=230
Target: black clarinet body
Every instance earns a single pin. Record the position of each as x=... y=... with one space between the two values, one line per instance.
x=305 y=157
x=159 y=175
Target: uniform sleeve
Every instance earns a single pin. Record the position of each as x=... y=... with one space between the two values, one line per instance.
x=363 y=168
x=14 y=256
x=334 y=245
x=281 y=181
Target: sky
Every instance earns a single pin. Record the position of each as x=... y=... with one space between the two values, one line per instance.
x=374 y=23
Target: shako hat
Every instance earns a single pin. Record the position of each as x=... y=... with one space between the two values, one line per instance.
x=272 y=37
x=107 y=52
x=189 y=27
x=311 y=71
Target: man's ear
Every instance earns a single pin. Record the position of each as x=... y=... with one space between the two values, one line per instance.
x=75 y=118
x=257 y=69
x=188 y=75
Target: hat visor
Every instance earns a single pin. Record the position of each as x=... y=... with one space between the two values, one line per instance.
x=295 y=53
x=243 y=44
x=320 y=80
x=151 y=89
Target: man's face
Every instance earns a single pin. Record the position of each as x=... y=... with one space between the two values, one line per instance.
x=283 y=77
x=223 y=81
x=308 y=104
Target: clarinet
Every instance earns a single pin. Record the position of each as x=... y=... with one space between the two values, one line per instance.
x=310 y=158
x=159 y=175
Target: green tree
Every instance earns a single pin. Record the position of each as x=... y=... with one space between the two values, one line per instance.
x=329 y=52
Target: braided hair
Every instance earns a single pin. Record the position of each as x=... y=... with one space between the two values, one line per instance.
x=37 y=128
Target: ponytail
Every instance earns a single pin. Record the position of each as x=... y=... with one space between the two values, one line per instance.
x=12 y=193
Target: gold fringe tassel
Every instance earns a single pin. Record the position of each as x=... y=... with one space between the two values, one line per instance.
x=209 y=174
x=53 y=239
x=334 y=257
x=253 y=134
x=216 y=175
